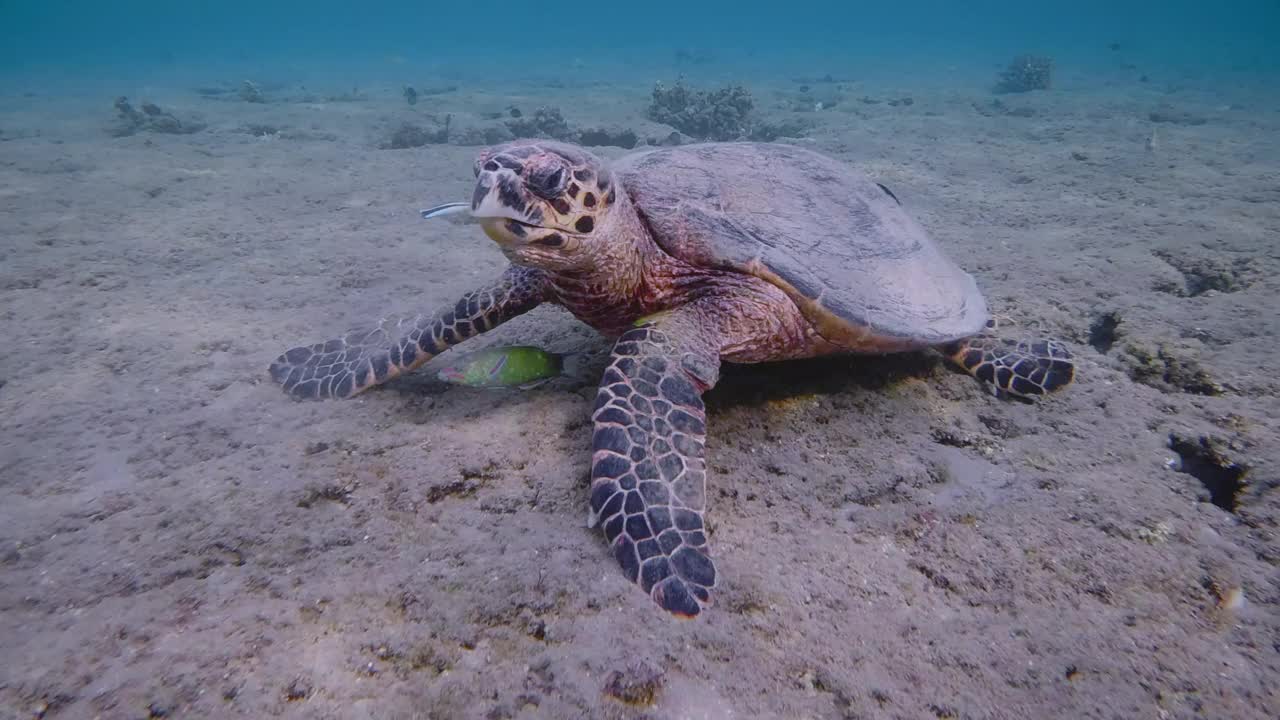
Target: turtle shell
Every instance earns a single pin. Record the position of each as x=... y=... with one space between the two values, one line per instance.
x=840 y=245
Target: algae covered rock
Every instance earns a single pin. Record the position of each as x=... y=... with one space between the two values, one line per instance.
x=411 y=135
x=545 y=122
x=548 y=122
x=768 y=131
x=622 y=137
x=478 y=133
x=251 y=93
x=706 y=115
x=1026 y=73
x=151 y=118
x=1169 y=367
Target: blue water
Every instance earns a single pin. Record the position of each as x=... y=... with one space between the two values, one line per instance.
x=596 y=39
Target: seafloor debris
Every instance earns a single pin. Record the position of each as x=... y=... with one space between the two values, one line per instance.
x=675 y=137
x=827 y=78
x=1105 y=330
x=1026 y=73
x=810 y=100
x=768 y=131
x=723 y=114
x=996 y=107
x=249 y=92
x=472 y=134
x=410 y=95
x=905 y=101
x=299 y=689
x=1170 y=368
x=549 y=122
x=1205 y=458
x=1205 y=273
x=638 y=684
x=351 y=96
x=615 y=137
x=213 y=90
x=151 y=118
x=260 y=130
x=1173 y=116
x=544 y=122
x=409 y=135
x=707 y=115
x=437 y=90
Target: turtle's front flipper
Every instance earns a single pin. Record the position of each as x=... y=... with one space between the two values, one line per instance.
x=361 y=359
x=1025 y=369
x=648 y=471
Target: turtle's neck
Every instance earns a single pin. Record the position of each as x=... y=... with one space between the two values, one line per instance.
x=628 y=275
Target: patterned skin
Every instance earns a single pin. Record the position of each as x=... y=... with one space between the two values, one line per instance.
x=576 y=239
x=357 y=361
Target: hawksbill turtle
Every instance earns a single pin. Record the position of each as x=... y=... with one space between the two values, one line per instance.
x=690 y=256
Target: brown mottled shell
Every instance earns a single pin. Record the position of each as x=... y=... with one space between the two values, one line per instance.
x=840 y=245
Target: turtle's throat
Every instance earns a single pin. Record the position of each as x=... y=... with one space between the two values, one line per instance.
x=621 y=275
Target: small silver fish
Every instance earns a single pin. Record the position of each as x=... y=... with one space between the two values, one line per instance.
x=445 y=209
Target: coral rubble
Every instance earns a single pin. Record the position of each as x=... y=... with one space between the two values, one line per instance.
x=1026 y=73
x=707 y=115
x=151 y=118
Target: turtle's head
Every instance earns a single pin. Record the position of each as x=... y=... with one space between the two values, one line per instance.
x=542 y=201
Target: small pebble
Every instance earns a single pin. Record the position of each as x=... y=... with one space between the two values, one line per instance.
x=299 y=689
x=639 y=684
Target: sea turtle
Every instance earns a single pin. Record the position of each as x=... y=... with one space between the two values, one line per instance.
x=690 y=256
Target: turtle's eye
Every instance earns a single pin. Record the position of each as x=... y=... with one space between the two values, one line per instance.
x=547 y=184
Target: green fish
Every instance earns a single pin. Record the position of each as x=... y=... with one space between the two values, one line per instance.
x=521 y=366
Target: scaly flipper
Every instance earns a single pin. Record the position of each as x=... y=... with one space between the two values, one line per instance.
x=1022 y=368
x=357 y=361
x=648 y=473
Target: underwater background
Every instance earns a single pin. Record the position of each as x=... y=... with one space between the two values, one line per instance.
x=188 y=189
x=501 y=39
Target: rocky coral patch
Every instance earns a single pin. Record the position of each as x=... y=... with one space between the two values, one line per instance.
x=1206 y=460
x=1026 y=73
x=411 y=135
x=723 y=114
x=1169 y=368
x=1204 y=273
x=151 y=118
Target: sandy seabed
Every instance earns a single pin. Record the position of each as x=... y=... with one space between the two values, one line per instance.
x=179 y=539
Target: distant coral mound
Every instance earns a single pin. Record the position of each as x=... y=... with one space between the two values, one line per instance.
x=1026 y=73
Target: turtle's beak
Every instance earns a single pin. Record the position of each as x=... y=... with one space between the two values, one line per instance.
x=507 y=214
x=501 y=195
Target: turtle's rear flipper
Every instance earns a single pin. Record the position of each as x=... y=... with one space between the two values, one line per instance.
x=1025 y=369
x=357 y=361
